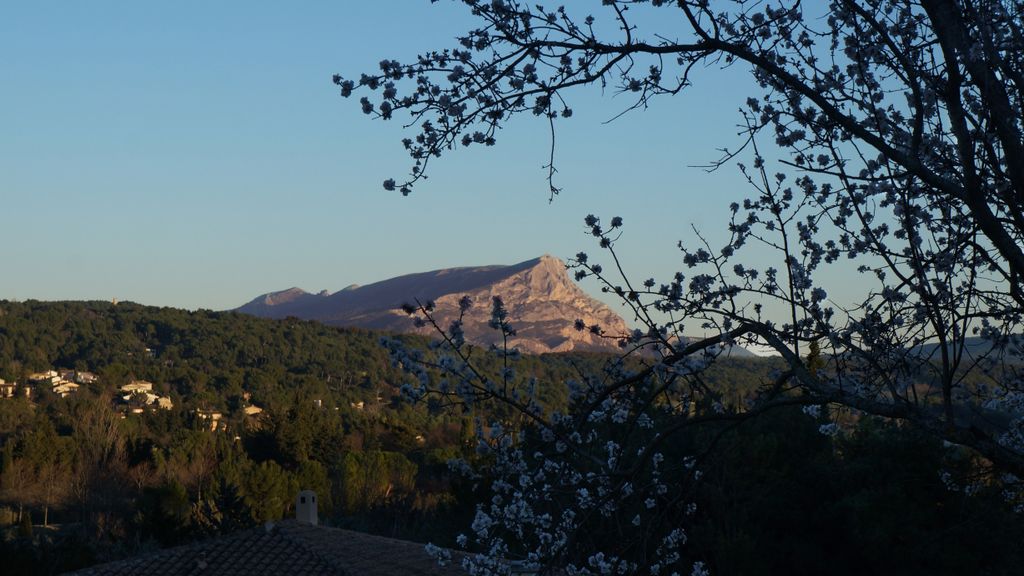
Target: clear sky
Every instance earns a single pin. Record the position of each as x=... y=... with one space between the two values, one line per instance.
x=195 y=154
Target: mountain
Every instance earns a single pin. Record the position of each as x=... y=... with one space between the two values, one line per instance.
x=542 y=301
x=980 y=349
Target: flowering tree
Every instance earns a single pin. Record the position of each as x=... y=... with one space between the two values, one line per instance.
x=897 y=130
x=599 y=489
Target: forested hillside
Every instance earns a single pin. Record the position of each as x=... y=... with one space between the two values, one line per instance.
x=298 y=404
x=93 y=476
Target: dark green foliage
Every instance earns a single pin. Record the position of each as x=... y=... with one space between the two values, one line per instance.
x=268 y=491
x=777 y=496
x=367 y=480
x=331 y=421
x=165 y=512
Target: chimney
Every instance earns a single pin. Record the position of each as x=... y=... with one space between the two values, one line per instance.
x=305 y=507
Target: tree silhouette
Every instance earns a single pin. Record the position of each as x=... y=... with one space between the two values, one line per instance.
x=896 y=127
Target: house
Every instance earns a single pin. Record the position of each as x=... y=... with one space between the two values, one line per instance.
x=48 y=377
x=63 y=388
x=7 y=389
x=141 y=392
x=296 y=546
x=143 y=398
x=214 y=418
x=85 y=377
x=137 y=386
x=148 y=399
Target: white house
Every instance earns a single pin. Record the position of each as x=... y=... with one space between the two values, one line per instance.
x=137 y=386
x=85 y=378
x=213 y=417
x=63 y=388
x=48 y=377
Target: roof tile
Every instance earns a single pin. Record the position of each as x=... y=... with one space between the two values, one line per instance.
x=287 y=547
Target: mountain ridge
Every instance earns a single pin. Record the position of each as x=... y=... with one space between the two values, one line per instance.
x=542 y=301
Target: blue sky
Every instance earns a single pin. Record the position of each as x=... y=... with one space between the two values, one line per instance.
x=195 y=154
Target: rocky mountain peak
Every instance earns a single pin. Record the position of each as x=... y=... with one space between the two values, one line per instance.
x=282 y=297
x=543 y=304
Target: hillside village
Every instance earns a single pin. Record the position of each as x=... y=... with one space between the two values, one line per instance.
x=58 y=382
x=135 y=397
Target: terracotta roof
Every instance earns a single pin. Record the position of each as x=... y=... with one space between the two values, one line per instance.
x=286 y=547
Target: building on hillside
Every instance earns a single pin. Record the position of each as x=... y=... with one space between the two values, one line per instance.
x=7 y=388
x=140 y=399
x=137 y=386
x=85 y=377
x=214 y=418
x=64 y=388
x=47 y=377
x=139 y=394
x=299 y=546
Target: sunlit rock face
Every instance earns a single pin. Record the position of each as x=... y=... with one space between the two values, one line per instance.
x=543 y=304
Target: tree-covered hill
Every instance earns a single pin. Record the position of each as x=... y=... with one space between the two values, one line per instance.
x=90 y=477
x=298 y=403
x=203 y=356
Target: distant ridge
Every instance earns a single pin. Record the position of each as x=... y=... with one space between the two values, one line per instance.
x=977 y=349
x=543 y=304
